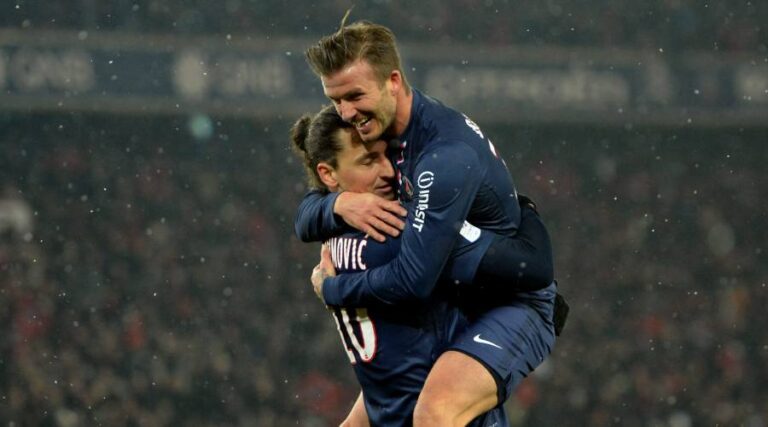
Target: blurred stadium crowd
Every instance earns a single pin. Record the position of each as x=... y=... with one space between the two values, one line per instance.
x=148 y=278
x=149 y=274
x=667 y=24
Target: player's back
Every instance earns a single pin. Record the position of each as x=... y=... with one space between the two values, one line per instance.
x=392 y=348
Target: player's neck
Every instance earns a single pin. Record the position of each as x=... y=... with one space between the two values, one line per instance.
x=403 y=112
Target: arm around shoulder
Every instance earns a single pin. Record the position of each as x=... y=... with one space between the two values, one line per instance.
x=315 y=219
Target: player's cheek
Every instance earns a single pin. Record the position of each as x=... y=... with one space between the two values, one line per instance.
x=372 y=179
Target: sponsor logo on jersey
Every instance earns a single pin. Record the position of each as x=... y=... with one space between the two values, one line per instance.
x=424 y=181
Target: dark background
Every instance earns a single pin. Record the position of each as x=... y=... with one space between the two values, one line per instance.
x=149 y=274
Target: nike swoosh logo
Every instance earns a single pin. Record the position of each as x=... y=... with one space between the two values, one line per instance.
x=482 y=341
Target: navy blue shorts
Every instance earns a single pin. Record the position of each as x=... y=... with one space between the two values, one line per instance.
x=496 y=417
x=513 y=339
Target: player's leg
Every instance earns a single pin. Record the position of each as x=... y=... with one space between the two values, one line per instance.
x=457 y=390
x=489 y=359
x=357 y=416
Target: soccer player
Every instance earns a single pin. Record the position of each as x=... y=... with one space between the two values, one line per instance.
x=392 y=348
x=448 y=173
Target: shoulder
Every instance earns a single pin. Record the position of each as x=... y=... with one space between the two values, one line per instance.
x=440 y=123
x=448 y=152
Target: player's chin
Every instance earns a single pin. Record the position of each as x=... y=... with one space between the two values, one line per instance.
x=386 y=192
x=371 y=132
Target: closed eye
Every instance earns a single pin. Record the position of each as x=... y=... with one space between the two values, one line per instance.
x=368 y=159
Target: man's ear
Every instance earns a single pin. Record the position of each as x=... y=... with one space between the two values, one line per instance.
x=395 y=82
x=327 y=175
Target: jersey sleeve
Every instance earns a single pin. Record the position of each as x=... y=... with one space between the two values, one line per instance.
x=315 y=220
x=467 y=255
x=519 y=263
x=446 y=180
x=503 y=264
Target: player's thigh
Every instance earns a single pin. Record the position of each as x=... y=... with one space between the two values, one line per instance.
x=459 y=385
x=509 y=341
x=357 y=417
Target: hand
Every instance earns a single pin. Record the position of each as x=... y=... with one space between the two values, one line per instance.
x=322 y=271
x=371 y=214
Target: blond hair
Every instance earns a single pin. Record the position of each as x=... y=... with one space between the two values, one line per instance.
x=362 y=40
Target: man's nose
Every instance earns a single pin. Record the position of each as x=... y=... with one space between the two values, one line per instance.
x=388 y=171
x=346 y=110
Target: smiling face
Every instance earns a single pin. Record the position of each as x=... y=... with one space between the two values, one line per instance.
x=360 y=167
x=362 y=99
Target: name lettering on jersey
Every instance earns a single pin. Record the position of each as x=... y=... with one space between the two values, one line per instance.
x=425 y=180
x=347 y=253
x=472 y=125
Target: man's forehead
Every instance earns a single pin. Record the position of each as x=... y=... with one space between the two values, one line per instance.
x=339 y=87
x=365 y=147
x=354 y=76
x=355 y=150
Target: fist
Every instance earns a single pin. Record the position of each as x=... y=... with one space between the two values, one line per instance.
x=322 y=270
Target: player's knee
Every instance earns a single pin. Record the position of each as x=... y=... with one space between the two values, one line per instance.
x=451 y=408
x=428 y=417
x=354 y=423
x=434 y=411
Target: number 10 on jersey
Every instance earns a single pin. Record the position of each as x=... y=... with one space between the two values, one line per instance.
x=357 y=332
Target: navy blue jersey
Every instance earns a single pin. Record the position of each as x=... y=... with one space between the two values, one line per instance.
x=449 y=172
x=393 y=348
